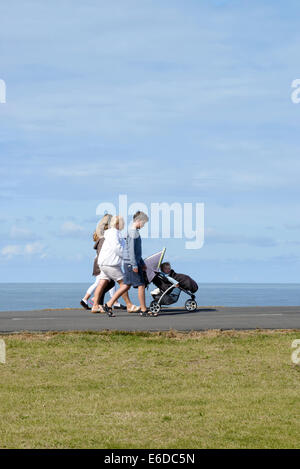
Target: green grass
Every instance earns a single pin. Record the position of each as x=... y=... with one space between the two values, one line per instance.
x=167 y=390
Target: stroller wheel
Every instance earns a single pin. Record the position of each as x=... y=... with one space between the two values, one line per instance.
x=191 y=305
x=154 y=308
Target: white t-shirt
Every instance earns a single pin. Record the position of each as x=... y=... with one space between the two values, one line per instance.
x=112 y=250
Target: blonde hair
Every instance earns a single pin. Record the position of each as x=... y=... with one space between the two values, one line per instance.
x=117 y=220
x=103 y=225
x=95 y=236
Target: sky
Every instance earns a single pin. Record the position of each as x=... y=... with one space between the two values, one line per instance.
x=163 y=101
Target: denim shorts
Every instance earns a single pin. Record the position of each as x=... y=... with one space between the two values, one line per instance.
x=135 y=279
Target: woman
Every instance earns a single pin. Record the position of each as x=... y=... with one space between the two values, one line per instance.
x=98 y=237
x=109 y=261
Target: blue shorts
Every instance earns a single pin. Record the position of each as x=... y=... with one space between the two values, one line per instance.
x=135 y=279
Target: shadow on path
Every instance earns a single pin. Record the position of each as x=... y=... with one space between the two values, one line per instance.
x=173 y=312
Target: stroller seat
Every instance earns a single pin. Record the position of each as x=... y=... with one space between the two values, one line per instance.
x=166 y=292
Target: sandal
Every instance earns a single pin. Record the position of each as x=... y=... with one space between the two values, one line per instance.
x=109 y=311
x=145 y=313
x=98 y=310
x=133 y=309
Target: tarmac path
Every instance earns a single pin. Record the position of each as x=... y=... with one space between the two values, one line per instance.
x=210 y=317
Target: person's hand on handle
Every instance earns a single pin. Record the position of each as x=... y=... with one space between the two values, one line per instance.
x=135 y=269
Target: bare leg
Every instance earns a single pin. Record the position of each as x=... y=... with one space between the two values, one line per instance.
x=111 y=292
x=127 y=299
x=131 y=308
x=99 y=290
x=142 y=300
x=123 y=289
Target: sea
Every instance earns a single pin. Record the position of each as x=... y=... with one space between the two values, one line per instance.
x=32 y=296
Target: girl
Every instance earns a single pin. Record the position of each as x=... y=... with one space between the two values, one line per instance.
x=109 y=261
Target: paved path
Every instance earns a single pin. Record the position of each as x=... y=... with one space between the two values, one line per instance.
x=218 y=317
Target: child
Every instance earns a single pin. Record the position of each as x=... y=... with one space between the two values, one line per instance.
x=184 y=281
x=98 y=238
x=133 y=263
x=109 y=260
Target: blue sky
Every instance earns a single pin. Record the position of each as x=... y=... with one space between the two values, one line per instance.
x=165 y=101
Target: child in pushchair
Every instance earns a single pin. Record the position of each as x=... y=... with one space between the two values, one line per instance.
x=169 y=285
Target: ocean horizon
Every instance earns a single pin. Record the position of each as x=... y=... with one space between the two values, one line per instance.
x=43 y=295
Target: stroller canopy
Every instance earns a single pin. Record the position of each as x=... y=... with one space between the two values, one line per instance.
x=153 y=264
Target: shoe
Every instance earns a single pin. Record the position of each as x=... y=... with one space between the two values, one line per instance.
x=84 y=304
x=109 y=311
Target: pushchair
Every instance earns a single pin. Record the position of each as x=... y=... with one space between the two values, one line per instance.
x=166 y=293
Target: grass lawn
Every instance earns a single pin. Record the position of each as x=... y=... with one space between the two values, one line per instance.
x=165 y=390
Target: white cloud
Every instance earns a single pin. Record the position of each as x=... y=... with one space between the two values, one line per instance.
x=24 y=234
x=31 y=249
x=34 y=248
x=71 y=229
x=10 y=251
